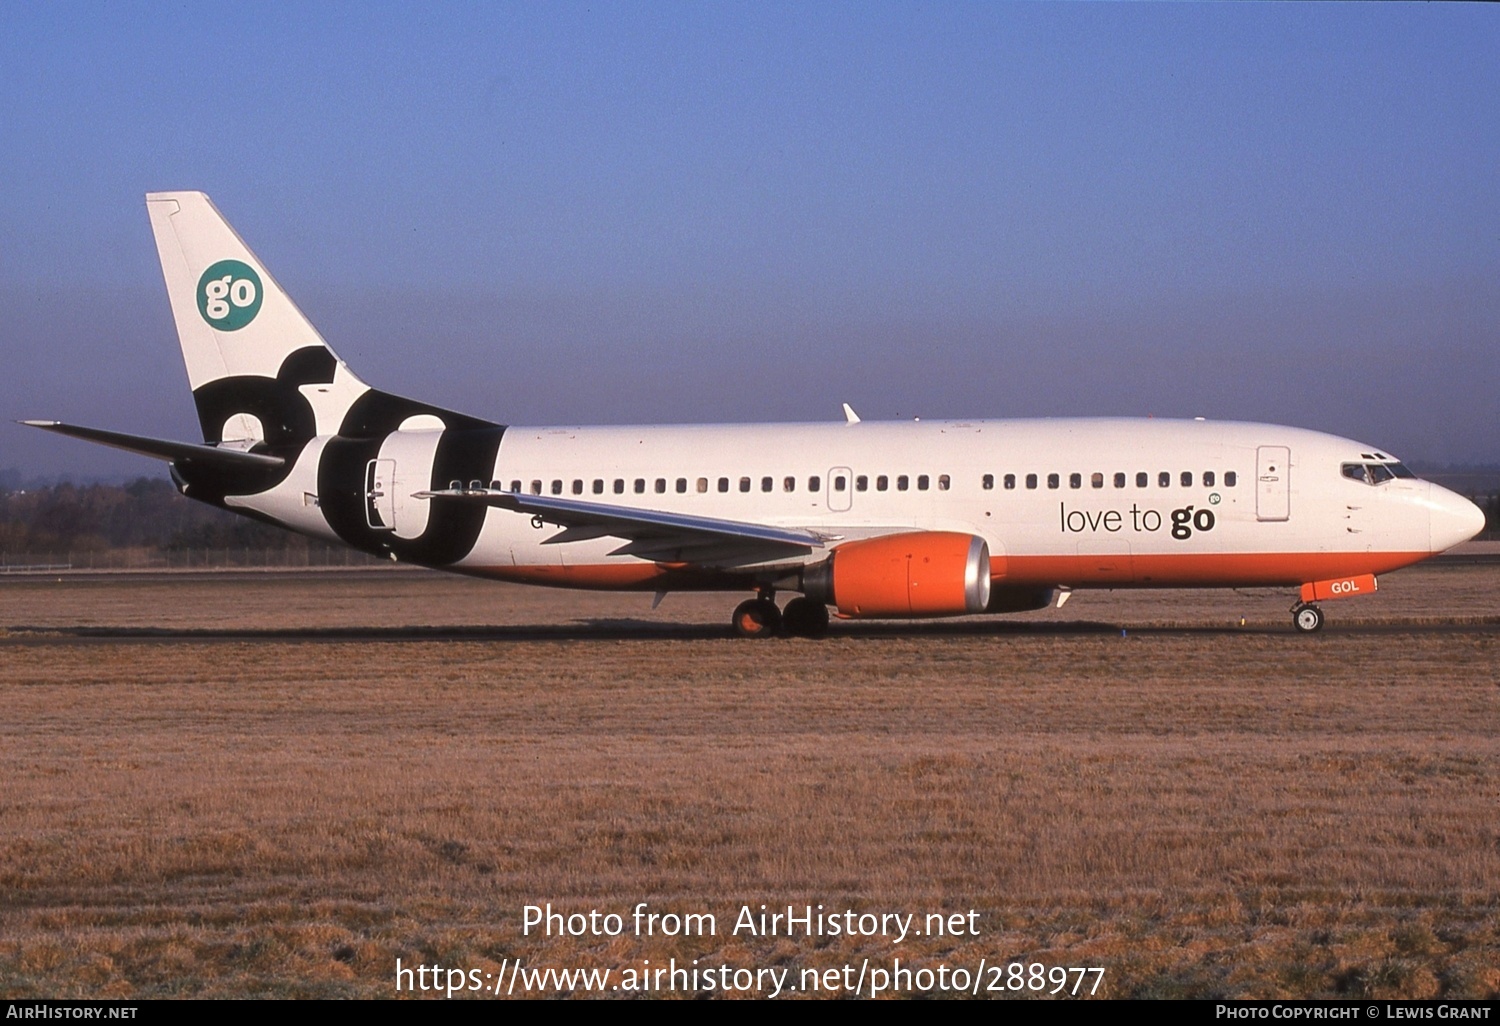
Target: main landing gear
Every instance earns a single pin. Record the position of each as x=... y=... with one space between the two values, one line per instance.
x=1307 y=618
x=805 y=618
x=759 y=617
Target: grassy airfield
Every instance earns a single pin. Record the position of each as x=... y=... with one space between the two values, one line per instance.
x=278 y=785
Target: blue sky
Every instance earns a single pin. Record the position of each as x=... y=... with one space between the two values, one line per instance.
x=552 y=213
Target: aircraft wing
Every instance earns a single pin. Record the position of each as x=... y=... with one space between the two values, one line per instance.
x=161 y=448
x=650 y=534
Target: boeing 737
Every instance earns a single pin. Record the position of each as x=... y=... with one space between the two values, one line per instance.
x=890 y=520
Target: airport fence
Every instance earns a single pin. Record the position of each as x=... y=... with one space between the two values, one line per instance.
x=313 y=556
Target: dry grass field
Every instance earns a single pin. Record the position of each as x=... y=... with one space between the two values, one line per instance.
x=278 y=785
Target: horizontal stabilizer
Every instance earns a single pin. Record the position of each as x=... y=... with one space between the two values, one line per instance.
x=192 y=453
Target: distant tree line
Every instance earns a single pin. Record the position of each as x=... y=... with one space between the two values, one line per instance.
x=147 y=513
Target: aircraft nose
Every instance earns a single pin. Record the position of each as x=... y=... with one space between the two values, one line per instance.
x=1452 y=519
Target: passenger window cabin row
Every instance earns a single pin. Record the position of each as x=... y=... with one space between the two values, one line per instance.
x=839 y=483
x=1120 y=480
x=768 y=483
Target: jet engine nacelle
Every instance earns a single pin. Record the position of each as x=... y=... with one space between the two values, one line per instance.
x=919 y=573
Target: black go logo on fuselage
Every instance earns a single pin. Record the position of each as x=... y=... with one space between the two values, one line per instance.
x=1185 y=521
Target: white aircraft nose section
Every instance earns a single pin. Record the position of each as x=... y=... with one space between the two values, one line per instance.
x=1452 y=519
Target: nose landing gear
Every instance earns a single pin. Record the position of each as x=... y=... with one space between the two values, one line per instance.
x=1307 y=618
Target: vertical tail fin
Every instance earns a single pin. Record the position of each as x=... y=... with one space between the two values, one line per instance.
x=259 y=370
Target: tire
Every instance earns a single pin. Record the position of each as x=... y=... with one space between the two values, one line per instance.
x=1307 y=619
x=805 y=618
x=757 y=618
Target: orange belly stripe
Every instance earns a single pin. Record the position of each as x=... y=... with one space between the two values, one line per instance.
x=1198 y=569
x=1177 y=570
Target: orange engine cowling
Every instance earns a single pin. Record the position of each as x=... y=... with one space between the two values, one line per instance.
x=919 y=573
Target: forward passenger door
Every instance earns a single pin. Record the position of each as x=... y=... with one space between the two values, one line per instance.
x=1273 y=475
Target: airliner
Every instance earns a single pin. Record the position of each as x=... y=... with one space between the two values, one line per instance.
x=873 y=519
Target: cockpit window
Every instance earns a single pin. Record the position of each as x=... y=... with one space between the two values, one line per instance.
x=1375 y=473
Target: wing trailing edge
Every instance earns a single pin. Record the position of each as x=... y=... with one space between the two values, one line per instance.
x=650 y=534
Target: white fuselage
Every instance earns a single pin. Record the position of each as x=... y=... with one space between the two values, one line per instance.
x=1069 y=502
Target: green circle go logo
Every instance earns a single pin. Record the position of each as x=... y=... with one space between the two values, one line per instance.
x=229 y=295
